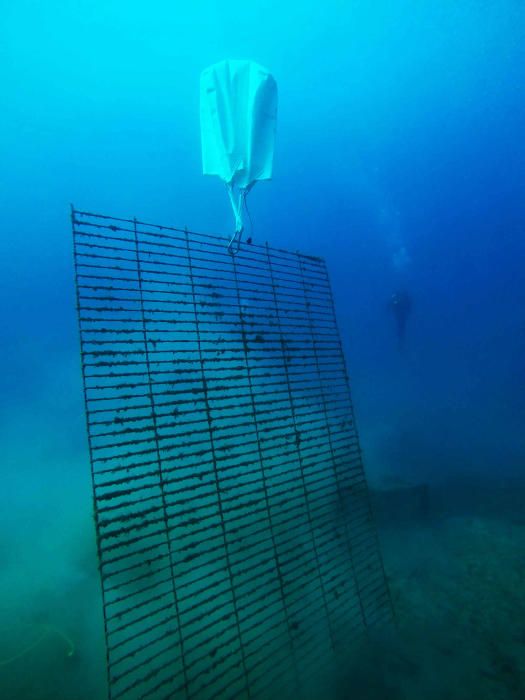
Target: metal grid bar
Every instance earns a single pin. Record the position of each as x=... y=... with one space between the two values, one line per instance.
x=238 y=554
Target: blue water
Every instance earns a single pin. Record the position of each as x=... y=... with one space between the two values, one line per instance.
x=400 y=158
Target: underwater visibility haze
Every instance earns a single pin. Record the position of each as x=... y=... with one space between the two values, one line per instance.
x=399 y=159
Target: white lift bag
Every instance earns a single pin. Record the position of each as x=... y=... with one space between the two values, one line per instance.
x=238 y=112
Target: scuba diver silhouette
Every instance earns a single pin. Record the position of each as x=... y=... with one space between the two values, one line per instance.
x=400 y=304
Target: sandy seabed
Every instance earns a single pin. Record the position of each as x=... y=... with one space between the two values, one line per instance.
x=458 y=586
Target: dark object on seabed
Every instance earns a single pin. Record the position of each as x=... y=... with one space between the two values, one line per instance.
x=402 y=503
x=401 y=305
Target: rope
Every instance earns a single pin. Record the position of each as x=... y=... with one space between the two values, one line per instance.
x=238 y=205
x=46 y=631
x=249 y=216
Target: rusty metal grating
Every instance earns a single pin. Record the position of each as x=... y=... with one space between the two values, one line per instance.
x=238 y=555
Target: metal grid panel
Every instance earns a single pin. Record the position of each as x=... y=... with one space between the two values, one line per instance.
x=237 y=550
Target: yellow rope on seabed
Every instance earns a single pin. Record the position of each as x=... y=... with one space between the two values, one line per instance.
x=46 y=630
